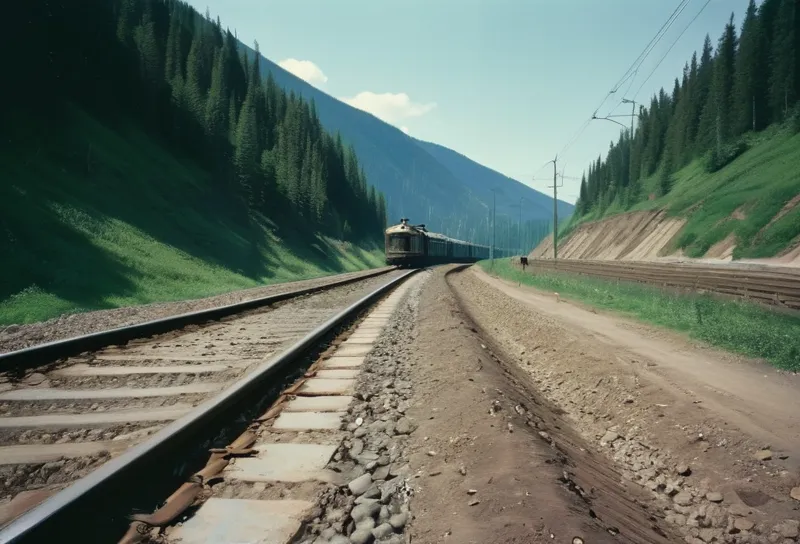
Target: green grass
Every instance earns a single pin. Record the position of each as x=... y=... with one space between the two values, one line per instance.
x=759 y=182
x=140 y=226
x=737 y=326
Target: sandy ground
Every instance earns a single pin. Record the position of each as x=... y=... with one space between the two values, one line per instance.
x=14 y=337
x=493 y=461
x=635 y=236
x=713 y=438
x=647 y=236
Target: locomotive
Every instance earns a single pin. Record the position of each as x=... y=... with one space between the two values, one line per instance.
x=413 y=245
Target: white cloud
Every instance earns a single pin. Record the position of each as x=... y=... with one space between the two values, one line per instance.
x=404 y=129
x=389 y=107
x=305 y=70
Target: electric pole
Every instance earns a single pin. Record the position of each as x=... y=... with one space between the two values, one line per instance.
x=555 y=209
x=494 y=223
x=519 y=226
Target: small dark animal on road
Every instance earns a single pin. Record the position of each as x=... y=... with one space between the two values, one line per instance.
x=524 y=262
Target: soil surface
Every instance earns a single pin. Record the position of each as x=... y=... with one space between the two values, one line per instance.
x=635 y=236
x=713 y=438
x=14 y=337
x=493 y=460
x=648 y=236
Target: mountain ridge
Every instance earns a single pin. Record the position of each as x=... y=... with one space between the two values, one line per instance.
x=422 y=180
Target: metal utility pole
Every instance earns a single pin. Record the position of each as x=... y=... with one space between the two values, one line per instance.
x=630 y=145
x=555 y=205
x=519 y=226
x=555 y=208
x=494 y=223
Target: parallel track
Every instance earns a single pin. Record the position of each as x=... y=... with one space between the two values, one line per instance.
x=778 y=287
x=71 y=413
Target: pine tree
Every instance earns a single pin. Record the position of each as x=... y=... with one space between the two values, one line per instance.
x=722 y=85
x=194 y=92
x=583 y=197
x=749 y=93
x=704 y=113
x=784 y=59
x=172 y=64
x=217 y=102
x=246 y=152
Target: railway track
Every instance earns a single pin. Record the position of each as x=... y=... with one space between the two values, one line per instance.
x=82 y=419
x=776 y=287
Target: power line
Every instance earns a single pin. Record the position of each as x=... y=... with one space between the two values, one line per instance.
x=671 y=46
x=651 y=45
x=631 y=71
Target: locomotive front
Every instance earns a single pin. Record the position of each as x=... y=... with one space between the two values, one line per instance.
x=405 y=244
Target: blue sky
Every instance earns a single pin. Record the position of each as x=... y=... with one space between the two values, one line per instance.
x=507 y=83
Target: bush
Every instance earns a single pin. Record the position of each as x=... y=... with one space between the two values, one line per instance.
x=724 y=155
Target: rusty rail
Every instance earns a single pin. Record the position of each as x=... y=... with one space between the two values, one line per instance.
x=779 y=287
x=69 y=509
x=51 y=351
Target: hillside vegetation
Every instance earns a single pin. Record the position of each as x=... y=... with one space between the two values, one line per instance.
x=429 y=183
x=721 y=149
x=146 y=160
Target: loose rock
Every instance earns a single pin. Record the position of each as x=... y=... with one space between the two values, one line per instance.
x=763 y=455
x=788 y=529
x=743 y=524
x=684 y=498
x=403 y=426
x=360 y=485
x=364 y=511
x=795 y=493
x=382 y=531
x=714 y=496
x=608 y=438
x=361 y=536
x=398 y=521
x=683 y=469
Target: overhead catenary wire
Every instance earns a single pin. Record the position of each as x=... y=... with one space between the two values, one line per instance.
x=664 y=56
x=629 y=73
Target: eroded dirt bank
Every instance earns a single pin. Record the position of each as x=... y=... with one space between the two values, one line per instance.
x=714 y=441
x=495 y=462
x=635 y=236
x=649 y=236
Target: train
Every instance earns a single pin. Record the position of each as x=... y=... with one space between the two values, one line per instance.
x=413 y=246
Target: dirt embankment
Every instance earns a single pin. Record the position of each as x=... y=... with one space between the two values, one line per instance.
x=636 y=236
x=649 y=236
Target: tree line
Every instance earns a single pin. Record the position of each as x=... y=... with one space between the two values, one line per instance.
x=184 y=77
x=749 y=82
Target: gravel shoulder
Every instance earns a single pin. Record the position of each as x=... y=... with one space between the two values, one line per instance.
x=15 y=337
x=492 y=459
x=714 y=439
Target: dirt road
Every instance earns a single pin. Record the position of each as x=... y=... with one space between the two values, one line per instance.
x=714 y=438
x=495 y=462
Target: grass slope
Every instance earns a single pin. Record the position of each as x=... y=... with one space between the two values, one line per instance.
x=99 y=217
x=738 y=326
x=758 y=184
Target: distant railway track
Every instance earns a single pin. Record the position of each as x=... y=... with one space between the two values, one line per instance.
x=777 y=287
x=79 y=414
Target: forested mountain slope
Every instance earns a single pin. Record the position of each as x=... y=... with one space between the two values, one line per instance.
x=425 y=183
x=145 y=160
x=720 y=149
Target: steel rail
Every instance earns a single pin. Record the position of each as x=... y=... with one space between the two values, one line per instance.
x=780 y=289
x=67 y=501
x=51 y=351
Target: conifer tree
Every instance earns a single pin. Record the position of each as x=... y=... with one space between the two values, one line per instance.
x=784 y=59
x=749 y=92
